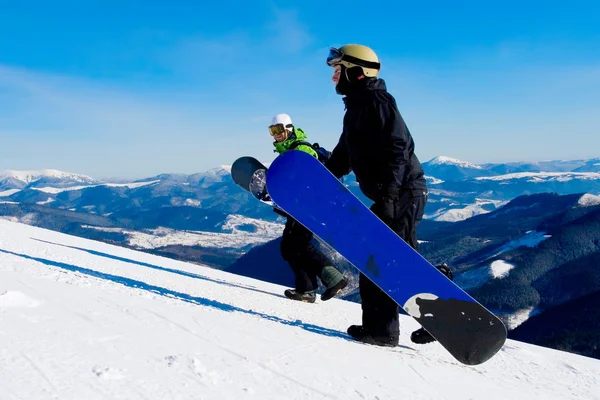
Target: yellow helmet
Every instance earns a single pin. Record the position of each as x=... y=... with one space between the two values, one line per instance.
x=355 y=55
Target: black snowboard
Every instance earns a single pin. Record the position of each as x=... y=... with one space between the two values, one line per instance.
x=250 y=174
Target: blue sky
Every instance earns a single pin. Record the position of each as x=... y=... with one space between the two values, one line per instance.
x=133 y=89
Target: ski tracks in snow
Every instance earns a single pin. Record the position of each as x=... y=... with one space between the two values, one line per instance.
x=253 y=367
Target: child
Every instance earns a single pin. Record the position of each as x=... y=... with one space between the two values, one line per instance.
x=296 y=247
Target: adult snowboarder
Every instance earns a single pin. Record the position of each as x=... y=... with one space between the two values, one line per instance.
x=376 y=144
x=296 y=243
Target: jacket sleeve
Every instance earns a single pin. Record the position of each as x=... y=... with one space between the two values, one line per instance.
x=392 y=138
x=339 y=161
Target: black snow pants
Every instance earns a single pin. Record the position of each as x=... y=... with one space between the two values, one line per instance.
x=304 y=259
x=380 y=312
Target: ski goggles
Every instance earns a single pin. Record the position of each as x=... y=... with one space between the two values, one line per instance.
x=277 y=129
x=336 y=56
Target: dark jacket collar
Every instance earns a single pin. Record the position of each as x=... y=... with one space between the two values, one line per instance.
x=360 y=89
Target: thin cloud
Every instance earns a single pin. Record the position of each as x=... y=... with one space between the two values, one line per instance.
x=205 y=57
x=71 y=102
x=290 y=35
x=202 y=55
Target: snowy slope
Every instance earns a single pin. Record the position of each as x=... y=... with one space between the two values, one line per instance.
x=589 y=200
x=86 y=320
x=498 y=269
x=9 y=192
x=471 y=210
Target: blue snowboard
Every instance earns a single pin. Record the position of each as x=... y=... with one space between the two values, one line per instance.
x=300 y=185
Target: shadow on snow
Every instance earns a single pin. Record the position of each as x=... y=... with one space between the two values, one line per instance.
x=178 y=295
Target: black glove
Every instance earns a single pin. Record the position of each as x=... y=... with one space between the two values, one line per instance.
x=385 y=209
x=264 y=196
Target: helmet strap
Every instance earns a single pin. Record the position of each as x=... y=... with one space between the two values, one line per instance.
x=354 y=74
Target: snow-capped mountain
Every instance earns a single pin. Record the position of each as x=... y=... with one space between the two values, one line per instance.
x=505 y=187
x=458 y=192
x=88 y=320
x=589 y=166
x=541 y=177
x=215 y=175
x=450 y=169
x=443 y=160
x=546 y=166
x=20 y=179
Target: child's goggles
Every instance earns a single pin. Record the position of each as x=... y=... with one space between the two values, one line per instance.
x=276 y=129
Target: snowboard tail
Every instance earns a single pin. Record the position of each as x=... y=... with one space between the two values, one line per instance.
x=301 y=186
x=250 y=174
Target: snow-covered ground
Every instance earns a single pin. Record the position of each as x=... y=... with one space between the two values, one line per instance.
x=460 y=214
x=588 y=200
x=432 y=180
x=47 y=201
x=81 y=319
x=500 y=269
x=529 y=239
x=517 y=318
x=233 y=236
x=478 y=276
x=9 y=192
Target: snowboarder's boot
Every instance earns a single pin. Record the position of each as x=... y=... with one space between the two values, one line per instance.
x=362 y=335
x=307 y=297
x=335 y=289
x=421 y=336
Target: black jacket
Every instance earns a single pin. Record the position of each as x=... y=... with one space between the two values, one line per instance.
x=376 y=145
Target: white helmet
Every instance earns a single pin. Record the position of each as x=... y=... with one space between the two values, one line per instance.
x=281 y=124
x=283 y=119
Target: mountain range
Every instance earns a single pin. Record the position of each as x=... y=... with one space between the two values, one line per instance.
x=458 y=190
x=202 y=203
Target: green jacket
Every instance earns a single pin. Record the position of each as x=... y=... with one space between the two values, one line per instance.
x=298 y=135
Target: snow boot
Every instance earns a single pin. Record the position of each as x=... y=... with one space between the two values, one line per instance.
x=307 y=297
x=362 y=335
x=334 y=290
